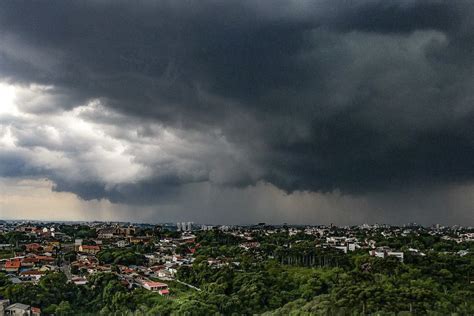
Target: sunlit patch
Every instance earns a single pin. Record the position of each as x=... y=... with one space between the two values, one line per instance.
x=6 y=138
x=7 y=99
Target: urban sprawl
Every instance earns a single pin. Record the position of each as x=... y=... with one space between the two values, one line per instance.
x=166 y=266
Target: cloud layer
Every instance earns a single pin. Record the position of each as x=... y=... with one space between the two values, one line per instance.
x=132 y=102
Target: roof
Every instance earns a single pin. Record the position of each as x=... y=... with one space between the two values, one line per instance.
x=33 y=245
x=90 y=247
x=45 y=258
x=13 y=264
x=155 y=284
x=36 y=310
x=18 y=306
x=30 y=260
x=32 y=272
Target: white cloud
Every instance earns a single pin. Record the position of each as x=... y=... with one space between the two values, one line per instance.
x=93 y=144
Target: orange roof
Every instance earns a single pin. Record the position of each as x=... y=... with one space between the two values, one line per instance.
x=32 y=272
x=91 y=247
x=13 y=264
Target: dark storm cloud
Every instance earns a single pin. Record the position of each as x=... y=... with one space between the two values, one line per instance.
x=399 y=16
x=318 y=95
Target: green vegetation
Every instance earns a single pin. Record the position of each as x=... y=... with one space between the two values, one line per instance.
x=125 y=256
x=284 y=275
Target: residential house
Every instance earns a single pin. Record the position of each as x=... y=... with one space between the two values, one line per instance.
x=32 y=275
x=18 y=309
x=13 y=265
x=33 y=247
x=154 y=286
x=91 y=249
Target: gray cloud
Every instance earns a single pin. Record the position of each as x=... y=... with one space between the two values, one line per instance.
x=361 y=97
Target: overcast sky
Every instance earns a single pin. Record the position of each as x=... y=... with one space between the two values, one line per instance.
x=239 y=111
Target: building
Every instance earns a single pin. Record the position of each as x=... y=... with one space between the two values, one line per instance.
x=139 y=239
x=34 y=247
x=91 y=249
x=12 y=265
x=397 y=254
x=18 y=309
x=386 y=253
x=79 y=281
x=122 y=243
x=108 y=233
x=154 y=286
x=3 y=305
x=77 y=244
x=343 y=248
x=33 y=275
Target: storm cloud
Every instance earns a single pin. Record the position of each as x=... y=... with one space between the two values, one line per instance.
x=133 y=101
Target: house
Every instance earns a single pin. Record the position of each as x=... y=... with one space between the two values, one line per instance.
x=139 y=239
x=29 y=262
x=250 y=245
x=49 y=267
x=162 y=273
x=77 y=244
x=397 y=254
x=122 y=243
x=107 y=233
x=91 y=249
x=34 y=247
x=79 y=281
x=33 y=275
x=45 y=259
x=154 y=286
x=12 y=265
x=18 y=309
x=385 y=253
x=343 y=248
x=3 y=304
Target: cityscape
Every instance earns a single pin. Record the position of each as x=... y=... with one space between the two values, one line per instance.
x=187 y=268
x=237 y=157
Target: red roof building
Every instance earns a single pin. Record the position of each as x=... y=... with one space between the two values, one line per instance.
x=33 y=247
x=12 y=265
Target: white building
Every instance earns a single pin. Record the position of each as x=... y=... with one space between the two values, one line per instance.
x=122 y=243
x=154 y=286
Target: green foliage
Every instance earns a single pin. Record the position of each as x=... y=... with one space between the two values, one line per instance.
x=124 y=256
x=286 y=275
